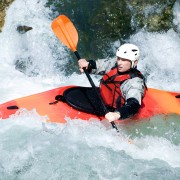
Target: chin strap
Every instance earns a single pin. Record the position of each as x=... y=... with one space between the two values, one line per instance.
x=132 y=64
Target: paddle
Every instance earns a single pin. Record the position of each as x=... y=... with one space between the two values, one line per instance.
x=64 y=29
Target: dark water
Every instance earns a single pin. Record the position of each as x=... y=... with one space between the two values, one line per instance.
x=103 y=22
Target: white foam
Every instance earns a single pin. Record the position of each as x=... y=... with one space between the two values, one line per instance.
x=159 y=58
x=30 y=147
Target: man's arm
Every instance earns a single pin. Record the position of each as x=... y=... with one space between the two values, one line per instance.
x=129 y=109
x=133 y=92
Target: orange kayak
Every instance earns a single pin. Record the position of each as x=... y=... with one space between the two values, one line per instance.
x=71 y=101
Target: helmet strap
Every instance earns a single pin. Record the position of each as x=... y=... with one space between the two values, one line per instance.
x=132 y=64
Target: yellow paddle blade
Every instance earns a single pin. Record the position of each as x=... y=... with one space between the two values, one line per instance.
x=64 y=29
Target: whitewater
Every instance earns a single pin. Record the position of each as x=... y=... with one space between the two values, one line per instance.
x=31 y=148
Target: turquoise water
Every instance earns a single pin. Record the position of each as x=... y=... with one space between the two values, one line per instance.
x=31 y=148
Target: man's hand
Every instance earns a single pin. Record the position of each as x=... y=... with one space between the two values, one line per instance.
x=112 y=116
x=83 y=63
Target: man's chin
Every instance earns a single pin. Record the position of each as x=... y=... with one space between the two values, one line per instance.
x=120 y=70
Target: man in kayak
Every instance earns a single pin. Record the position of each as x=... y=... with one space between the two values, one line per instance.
x=122 y=86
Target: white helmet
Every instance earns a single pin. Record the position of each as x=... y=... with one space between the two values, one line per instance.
x=128 y=51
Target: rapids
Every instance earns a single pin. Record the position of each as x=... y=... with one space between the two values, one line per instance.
x=31 y=148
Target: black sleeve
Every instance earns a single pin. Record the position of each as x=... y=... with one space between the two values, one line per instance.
x=91 y=65
x=129 y=109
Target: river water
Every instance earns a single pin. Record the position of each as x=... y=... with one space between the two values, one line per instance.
x=33 y=149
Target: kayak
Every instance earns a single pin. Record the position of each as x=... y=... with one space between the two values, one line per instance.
x=77 y=102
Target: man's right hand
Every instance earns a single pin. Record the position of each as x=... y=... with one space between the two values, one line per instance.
x=83 y=63
x=112 y=116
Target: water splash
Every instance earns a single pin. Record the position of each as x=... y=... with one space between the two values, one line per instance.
x=33 y=148
x=37 y=54
x=159 y=58
x=80 y=150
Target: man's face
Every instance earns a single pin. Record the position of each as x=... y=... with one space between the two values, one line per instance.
x=123 y=64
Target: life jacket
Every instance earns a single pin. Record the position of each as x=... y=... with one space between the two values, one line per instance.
x=110 y=86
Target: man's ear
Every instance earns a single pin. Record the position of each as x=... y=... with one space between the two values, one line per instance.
x=135 y=63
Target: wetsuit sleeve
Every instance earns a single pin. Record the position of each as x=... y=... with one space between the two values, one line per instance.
x=91 y=66
x=129 y=109
x=133 y=92
x=101 y=66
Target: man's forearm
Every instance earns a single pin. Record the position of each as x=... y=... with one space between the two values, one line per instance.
x=129 y=109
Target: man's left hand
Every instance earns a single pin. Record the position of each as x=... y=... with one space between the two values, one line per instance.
x=112 y=116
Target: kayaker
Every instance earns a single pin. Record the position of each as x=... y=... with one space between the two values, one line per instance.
x=122 y=86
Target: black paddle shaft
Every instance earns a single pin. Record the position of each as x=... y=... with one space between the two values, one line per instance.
x=95 y=90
